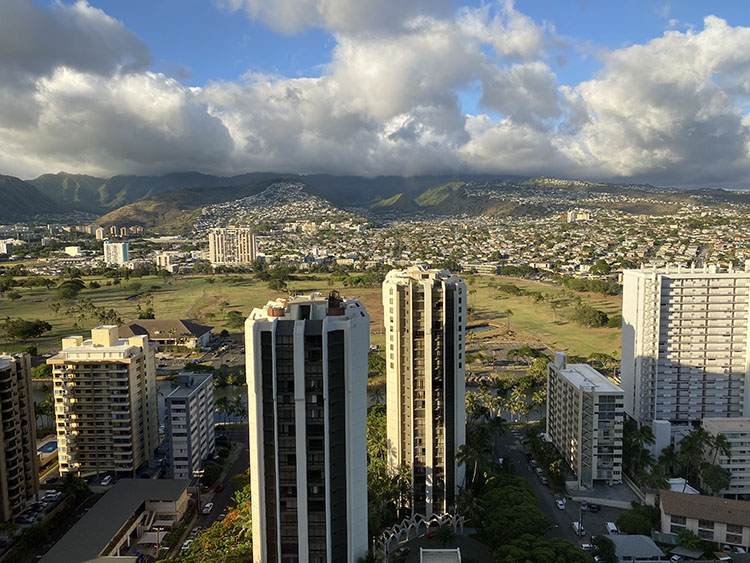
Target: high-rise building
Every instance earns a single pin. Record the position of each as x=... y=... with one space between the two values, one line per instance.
x=19 y=463
x=425 y=320
x=190 y=424
x=231 y=245
x=99 y=232
x=307 y=409
x=115 y=253
x=585 y=420
x=685 y=347
x=105 y=403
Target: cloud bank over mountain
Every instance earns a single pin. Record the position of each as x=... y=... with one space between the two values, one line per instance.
x=77 y=93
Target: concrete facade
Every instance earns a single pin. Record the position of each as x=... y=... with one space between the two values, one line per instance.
x=685 y=347
x=425 y=323
x=585 y=420
x=19 y=463
x=190 y=424
x=105 y=403
x=231 y=245
x=307 y=408
x=115 y=253
x=737 y=431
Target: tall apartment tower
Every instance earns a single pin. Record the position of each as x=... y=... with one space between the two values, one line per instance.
x=425 y=320
x=307 y=409
x=19 y=462
x=190 y=424
x=115 y=253
x=685 y=344
x=105 y=403
x=232 y=245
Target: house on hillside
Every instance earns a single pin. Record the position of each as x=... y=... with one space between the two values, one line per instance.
x=169 y=332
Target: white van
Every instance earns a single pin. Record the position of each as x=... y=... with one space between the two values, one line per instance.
x=612 y=528
x=578 y=529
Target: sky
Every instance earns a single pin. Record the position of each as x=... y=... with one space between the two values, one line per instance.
x=636 y=91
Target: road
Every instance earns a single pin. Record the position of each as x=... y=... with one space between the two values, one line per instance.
x=594 y=523
x=223 y=499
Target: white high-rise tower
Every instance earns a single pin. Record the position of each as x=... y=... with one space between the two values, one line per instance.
x=307 y=412
x=425 y=320
x=685 y=347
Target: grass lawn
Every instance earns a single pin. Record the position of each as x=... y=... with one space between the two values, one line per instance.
x=200 y=298
x=534 y=321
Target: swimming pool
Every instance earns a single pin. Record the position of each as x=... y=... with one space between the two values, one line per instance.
x=48 y=448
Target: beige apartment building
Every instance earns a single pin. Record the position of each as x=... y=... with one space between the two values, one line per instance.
x=737 y=432
x=231 y=245
x=685 y=344
x=425 y=325
x=105 y=403
x=19 y=463
x=585 y=420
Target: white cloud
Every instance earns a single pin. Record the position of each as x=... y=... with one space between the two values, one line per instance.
x=346 y=16
x=673 y=110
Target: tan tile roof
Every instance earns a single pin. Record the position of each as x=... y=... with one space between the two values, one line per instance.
x=704 y=507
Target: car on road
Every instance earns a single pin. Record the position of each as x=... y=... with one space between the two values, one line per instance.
x=194 y=531
x=612 y=528
x=578 y=529
x=208 y=508
x=543 y=480
x=584 y=505
x=402 y=551
x=532 y=462
x=106 y=481
x=186 y=545
x=594 y=507
x=560 y=504
x=587 y=547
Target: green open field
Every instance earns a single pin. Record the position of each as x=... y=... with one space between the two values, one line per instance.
x=201 y=297
x=534 y=322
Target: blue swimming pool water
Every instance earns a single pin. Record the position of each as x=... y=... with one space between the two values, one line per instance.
x=48 y=448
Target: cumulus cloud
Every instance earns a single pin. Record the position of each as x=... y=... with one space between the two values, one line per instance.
x=345 y=16
x=672 y=110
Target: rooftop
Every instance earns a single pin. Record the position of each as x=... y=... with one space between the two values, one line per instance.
x=584 y=376
x=189 y=383
x=5 y=361
x=157 y=329
x=703 y=507
x=313 y=306
x=635 y=547
x=91 y=534
x=418 y=273
x=439 y=555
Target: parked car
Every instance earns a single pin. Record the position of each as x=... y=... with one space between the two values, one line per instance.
x=578 y=529
x=402 y=551
x=194 y=531
x=560 y=504
x=208 y=508
x=594 y=507
x=587 y=547
x=612 y=528
x=532 y=462
x=186 y=545
x=584 y=505
x=543 y=480
x=106 y=481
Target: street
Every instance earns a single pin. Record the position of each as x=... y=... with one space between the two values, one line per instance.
x=594 y=523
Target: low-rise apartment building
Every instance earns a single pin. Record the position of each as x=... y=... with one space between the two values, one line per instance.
x=585 y=420
x=714 y=519
x=190 y=424
x=737 y=431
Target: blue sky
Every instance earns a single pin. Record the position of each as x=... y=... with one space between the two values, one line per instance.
x=641 y=90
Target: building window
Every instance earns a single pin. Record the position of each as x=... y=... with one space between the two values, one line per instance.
x=679 y=520
x=706 y=534
x=676 y=529
x=708 y=524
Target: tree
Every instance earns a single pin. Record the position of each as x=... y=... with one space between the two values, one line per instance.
x=75 y=487
x=210 y=475
x=605 y=548
x=508 y=313
x=223 y=406
x=445 y=534
x=69 y=289
x=715 y=477
x=42 y=371
x=235 y=320
x=20 y=329
x=720 y=445
x=375 y=364
x=689 y=540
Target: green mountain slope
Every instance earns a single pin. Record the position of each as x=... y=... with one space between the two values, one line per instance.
x=78 y=189
x=398 y=202
x=439 y=194
x=22 y=199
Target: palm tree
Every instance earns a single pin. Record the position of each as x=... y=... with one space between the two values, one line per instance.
x=378 y=394
x=471 y=457
x=469 y=506
x=720 y=445
x=655 y=479
x=445 y=534
x=223 y=406
x=508 y=314
x=669 y=459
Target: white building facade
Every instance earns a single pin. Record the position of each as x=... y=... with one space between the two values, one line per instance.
x=190 y=424
x=585 y=415
x=425 y=323
x=737 y=432
x=685 y=347
x=115 y=253
x=307 y=408
x=231 y=245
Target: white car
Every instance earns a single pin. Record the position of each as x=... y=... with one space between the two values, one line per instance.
x=186 y=545
x=560 y=504
x=106 y=481
x=208 y=508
